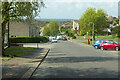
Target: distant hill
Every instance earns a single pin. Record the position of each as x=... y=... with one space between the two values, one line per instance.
x=69 y=20
x=59 y=21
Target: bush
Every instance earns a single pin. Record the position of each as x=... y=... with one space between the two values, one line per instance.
x=73 y=37
x=103 y=33
x=28 y=39
x=117 y=31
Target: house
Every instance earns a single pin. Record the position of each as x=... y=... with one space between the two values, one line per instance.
x=108 y=31
x=67 y=24
x=23 y=28
x=119 y=21
x=76 y=25
x=41 y=31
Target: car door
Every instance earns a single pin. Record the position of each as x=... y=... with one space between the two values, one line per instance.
x=111 y=45
x=105 y=45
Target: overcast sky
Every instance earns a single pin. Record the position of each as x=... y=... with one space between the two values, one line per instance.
x=73 y=9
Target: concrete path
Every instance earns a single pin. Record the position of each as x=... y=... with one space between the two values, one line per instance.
x=23 y=67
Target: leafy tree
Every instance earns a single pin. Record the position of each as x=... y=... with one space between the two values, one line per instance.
x=71 y=24
x=60 y=28
x=54 y=28
x=114 y=24
x=86 y=21
x=117 y=31
x=110 y=19
x=90 y=16
x=15 y=11
x=101 y=21
x=117 y=20
x=46 y=31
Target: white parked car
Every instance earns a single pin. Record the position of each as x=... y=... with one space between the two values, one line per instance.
x=50 y=38
x=59 y=37
x=54 y=40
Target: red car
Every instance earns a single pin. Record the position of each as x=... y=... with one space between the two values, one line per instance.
x=110 y=45
x=64 y=38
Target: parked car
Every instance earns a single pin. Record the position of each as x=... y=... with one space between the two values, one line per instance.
x=64 y=38
x=97 y=44
x=59 y=37
x=50 y=38
x=110 y=45
x=54 y=40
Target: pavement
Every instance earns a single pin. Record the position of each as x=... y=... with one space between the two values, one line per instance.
x=67 y=59
x=19 y=68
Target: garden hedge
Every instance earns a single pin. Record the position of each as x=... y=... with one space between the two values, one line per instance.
x=28 y=39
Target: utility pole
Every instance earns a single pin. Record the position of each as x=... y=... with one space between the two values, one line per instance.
x=8 y=35
x=93 y=34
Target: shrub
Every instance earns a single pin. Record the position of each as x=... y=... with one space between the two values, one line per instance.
x=28 y=39
x=103 y=33
x=73 y=37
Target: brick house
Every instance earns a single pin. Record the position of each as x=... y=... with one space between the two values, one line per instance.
x=19 y=29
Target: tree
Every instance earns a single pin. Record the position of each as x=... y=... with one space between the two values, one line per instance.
x=60 y=28
x=86 y=21
x=54 y=28
x=71 y=24
x=90 y=16
x=46 y=31
x=15 y=11
x=114 y=24
x=117 y=31
x=117 y=20
x=110 y=19
x=101 y=21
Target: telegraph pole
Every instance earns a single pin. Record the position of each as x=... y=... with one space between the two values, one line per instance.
x=93 y=34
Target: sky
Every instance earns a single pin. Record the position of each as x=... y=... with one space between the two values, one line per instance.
x=74 y=9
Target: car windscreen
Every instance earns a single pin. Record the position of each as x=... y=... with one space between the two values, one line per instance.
x=116 y=42
x=54 y=39
x=98 y=42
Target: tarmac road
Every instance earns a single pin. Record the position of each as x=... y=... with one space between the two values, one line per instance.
x=71 y=60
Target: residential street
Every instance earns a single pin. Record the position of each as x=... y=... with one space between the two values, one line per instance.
x=71 y=60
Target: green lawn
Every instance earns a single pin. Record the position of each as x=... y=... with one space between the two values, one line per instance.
x=86 y=42
x=104 y=38
x=18 y=51
x=90 y=37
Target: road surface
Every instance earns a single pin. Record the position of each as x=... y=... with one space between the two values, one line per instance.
x=71 y=60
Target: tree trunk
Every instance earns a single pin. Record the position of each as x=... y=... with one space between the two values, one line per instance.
x=5 y=17
x=3 y=35
x=0 y=40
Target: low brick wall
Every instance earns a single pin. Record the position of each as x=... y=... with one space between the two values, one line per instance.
x=16 y=44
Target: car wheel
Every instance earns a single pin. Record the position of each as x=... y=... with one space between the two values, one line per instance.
x=117 y=48
x=96 y=47
x=102 y=48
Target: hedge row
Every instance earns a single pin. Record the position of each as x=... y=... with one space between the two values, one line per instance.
x=28 y=39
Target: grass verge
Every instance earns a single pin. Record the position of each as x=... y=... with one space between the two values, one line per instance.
x=104 y=38
x=18 y=51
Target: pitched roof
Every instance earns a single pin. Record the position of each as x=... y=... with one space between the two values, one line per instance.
x=77 y=21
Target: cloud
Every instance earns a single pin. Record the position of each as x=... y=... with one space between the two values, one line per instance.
x=79 y=5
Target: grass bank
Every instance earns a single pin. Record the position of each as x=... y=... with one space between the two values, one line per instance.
x=18 y=51
x=90 y=37
x=100 y=38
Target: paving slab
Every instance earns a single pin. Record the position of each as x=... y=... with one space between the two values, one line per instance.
x=23 y=67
